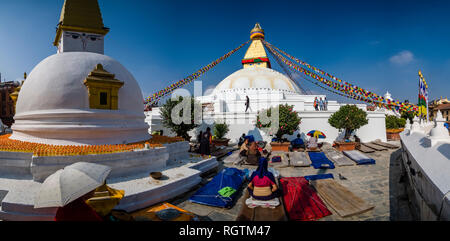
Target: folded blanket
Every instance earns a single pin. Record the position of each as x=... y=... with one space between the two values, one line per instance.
x=253 y=203
x=359 y=158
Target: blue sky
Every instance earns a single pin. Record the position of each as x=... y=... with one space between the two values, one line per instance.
x=378 y=45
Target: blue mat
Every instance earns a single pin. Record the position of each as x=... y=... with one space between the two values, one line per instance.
x=320 y=161
x=319 y=176
x=209 y=194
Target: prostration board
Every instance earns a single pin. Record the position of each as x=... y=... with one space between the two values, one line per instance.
x=339 y=198
x=338 y=157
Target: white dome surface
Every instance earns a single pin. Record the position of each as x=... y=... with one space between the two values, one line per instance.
x=257 y=77
x=53 y=104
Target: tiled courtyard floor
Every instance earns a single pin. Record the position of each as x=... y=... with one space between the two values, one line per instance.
x=377 y=184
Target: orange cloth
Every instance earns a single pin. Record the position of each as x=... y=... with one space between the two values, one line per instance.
x=150 y=213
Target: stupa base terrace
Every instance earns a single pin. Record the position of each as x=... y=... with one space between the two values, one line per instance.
x=22 y=175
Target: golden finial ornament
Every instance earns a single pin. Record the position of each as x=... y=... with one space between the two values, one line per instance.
x=257 y=32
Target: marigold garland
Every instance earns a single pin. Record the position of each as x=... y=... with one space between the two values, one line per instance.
x=9 y=145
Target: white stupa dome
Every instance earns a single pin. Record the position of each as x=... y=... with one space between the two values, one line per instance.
x=53 y=104
x=257 y=77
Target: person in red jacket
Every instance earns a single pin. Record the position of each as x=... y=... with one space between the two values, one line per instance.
x=78 y=210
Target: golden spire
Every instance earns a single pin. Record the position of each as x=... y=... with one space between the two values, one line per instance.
x=257 y=32
x=256 y=55
x=81 y=16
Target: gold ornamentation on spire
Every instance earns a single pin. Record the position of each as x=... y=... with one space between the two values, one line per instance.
x=80 y=16
x=256 y=55
x=257 y=32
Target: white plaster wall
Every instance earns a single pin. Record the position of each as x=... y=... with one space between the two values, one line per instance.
x=122 y=164
x=432 y=179
x=13 y=164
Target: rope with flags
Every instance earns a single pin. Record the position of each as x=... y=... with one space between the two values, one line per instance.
x=153 y=99
x=423 y=97
x=317 y=84
x=352 y=91
x=350 y=96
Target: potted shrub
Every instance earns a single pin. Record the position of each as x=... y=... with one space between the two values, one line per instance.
x=220 y=130
x=348 y=118
x=394 y=126
x=181 y=105
x=288 y=122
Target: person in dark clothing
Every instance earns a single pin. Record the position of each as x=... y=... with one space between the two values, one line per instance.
x=199 y=137
x=241 y=139
x=298 y=143
x=247 y=103
x=205 y=142
x=253 y=154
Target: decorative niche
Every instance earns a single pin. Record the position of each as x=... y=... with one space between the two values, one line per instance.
x=103 y=89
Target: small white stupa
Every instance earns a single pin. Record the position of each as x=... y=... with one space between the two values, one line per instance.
x=80 y=96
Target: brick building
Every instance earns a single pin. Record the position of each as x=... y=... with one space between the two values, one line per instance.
x=6 y=103
x=443 y=105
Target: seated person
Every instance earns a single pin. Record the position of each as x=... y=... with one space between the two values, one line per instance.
x=241 y=139
x=253 y=154
x=244 y=148
x=312 y=143
x=78 y=210
x=262 y=184
x=298 y=143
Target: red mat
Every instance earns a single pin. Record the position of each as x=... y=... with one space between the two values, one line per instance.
x=301 y=201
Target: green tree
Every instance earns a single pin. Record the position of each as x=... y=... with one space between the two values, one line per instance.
x=181 y=115
x=349 y=118
x=393 y=122
x=408 y=115
x=278 y=120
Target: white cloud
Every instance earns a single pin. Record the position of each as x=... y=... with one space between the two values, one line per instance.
x=209 y=90
x=404 y=57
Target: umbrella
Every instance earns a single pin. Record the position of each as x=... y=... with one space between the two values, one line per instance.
x=317 y=134
x=70 y=183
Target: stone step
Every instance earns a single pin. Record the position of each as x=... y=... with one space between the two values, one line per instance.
x=144 y=191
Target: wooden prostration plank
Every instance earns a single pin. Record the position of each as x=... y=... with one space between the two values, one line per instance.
x=364 y=149
x=260 y=213
x=375 y=147
x=384 y=144
x=342 y=200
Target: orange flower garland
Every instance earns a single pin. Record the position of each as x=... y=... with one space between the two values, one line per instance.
x=8 y=145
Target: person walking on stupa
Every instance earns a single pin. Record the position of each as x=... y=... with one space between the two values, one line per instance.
x=316 y=104
x=247 y=103
x=321 y=104
x=326 y=103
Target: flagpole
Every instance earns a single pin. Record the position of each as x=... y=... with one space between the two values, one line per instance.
x=420 y=90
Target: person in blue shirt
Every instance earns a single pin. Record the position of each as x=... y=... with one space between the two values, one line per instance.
x=446 y=125
x=297 y=143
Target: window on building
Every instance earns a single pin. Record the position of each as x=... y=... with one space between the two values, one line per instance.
x=103 y=98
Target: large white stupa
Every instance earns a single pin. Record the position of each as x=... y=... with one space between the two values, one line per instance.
x=80 y=96
x=265 y=88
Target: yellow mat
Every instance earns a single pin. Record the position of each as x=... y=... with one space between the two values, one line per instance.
x=149 y=214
